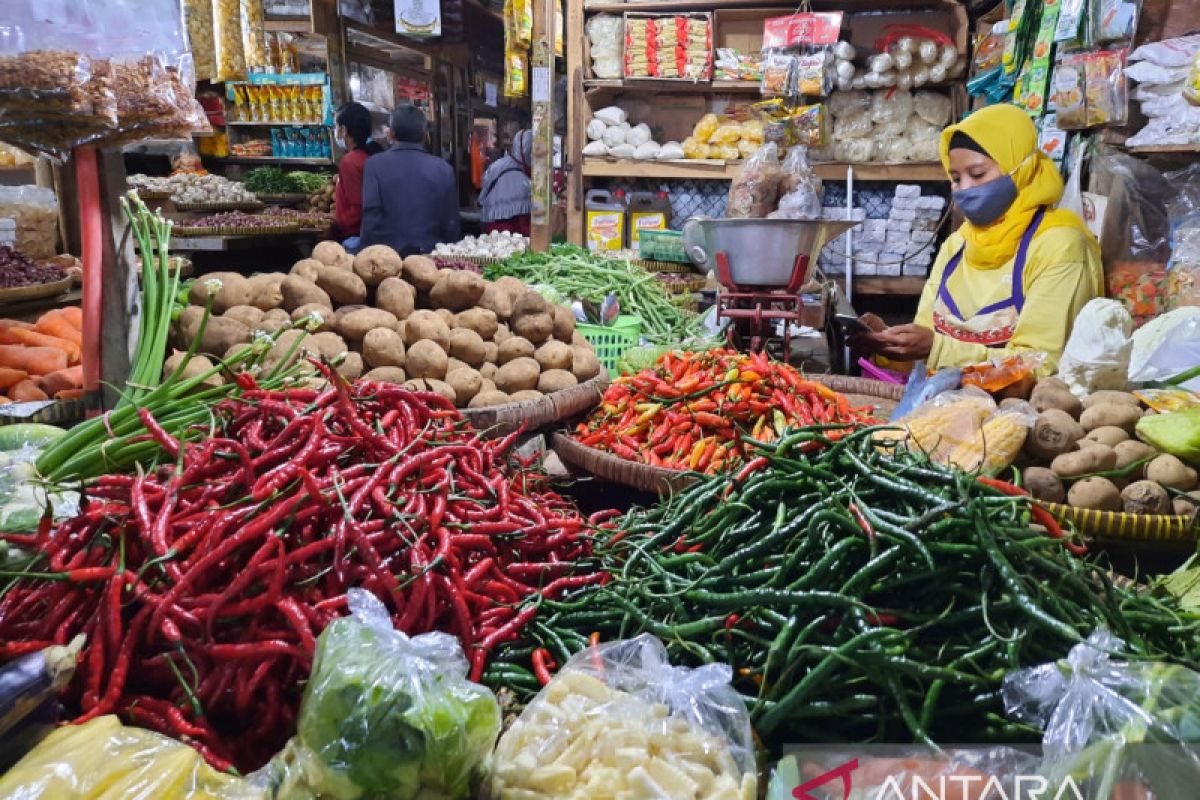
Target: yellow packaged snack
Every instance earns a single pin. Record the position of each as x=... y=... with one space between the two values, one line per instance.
x=227 y=36
x=748 y=148
x=728 y=152
x=516 y=74
x=705 y=127
x=693 y=148
x=752 y=130
x=728 y=133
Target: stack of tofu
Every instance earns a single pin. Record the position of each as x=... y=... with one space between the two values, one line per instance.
x=902 y=244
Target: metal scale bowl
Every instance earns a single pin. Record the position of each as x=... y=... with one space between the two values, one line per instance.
x=761 y=265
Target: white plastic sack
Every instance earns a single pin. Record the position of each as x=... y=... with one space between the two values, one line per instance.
x=613 y=136
x=1176 y=52
x=1175 y=349
x=595 y=149
x=646 y=150
x=1147 y=72
x=1097 y=353
x=611 y=115
x=639 y=135
x=622 y=151
x=670 y=150
x=596 y=129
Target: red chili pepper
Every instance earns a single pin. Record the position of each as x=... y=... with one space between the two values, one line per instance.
x=1039 y=514
x=541 y=667
x=861 y=520
x=731 y=621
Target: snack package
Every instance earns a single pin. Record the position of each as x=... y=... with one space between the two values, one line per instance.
x=800 y=189
x=1009 y=376
x=619 y=720
x=198 y=14
x=754 y=191
x=254 y=40
x=103 y=758
x=227 y=36
x=385 y=715
x=777 y=72
x=605 y=34
x=1115 y=727
x=34 y=212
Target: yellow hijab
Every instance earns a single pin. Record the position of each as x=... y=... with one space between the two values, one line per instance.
x=1009 y=137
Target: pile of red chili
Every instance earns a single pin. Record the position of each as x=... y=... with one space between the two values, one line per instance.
x=202 y=586
x=690 y=411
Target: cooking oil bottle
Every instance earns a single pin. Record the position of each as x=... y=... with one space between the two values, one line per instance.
x=605 y=214
x=648 y=211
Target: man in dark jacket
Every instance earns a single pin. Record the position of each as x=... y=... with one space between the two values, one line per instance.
x=410 y=200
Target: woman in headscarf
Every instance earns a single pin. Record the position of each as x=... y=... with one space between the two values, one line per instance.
x=504 y=200
x=1017 y=272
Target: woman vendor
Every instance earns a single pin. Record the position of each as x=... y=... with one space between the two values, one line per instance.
x=1018 y=271
x=505 y=202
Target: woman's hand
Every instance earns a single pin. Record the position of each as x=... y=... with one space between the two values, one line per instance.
x=901 y=342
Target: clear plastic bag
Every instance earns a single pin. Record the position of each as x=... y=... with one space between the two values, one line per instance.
x=1177 y=352
x=605 y=33
x=254 y=40
x=933 y=107
x=619 y=717
x=939 y=426
x=852 y=126
x=754 y=191
x=1109 y=722
x=34 y=209
x=198 y=14
x=103 y=758
x=849 y=103
x=1137 y=226
x=891 y=105
x=1097 y=353
x=228 y=49
x=385 y=715
x=800 y=189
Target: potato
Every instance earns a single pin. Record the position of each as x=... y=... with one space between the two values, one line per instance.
x=517 y=375
x=351 y=366
x=466 y=383
x=554 y=355
x=446 y=316
x=425 y=359
x=396 y=296
x=328 y=344
x=1093 y=458
x=1107 y=396
x=503 y=333
x=357 y=324
x=221 y=333
x=528 y=304
x=484 y=399
x=1116 y=415
x=1044 y=485
x=299 y=292
x=197 y=366
x=307 y=268
x=489 y=370
x=1052 y=382
x=487 y=385
x=266 y=291
x=426 y=325
x=432 y=385
x=490 y=352
x=525 y=396
x=383 y=347
x=457 y=290
x=234 y=290
x=386 y=375
x=282 y=350
x=187 y=326
x=376 y=263
x=328 y=252
x=1097 y=493
x=564 y=324
x=274 y=319
x=1131 y=451
x=342 y=311
x=1146 y=497
x=466 y=345
x=513 y=287
x=553 y=380
x=453 y=363
x=1109 y=436
x=516 y=347
x=421 y=272
x=344 y=288
x=247 y=315
x=344 y=263
x=585 y=365
x=479 y=320
x=314 y=310
x=1054 y=433
x=401 y=328
x=579 y=340
x=496 y=300
x=1170 y=471
x=1043 y=399
x=537 y=328
x=1184 y=506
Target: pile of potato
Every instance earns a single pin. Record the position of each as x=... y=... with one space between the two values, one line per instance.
x=322 y=199
x=402 y=321
x=1075 y=439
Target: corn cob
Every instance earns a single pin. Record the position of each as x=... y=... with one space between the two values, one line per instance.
x=993 y=448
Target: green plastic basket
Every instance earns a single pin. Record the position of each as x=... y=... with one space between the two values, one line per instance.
x=611 y=341
x=662 y=246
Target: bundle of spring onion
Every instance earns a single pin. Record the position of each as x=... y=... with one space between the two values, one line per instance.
x=580 y=275
x=180 y=405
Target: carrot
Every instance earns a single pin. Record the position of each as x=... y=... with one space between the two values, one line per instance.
x=11 y=377
x=34 y=360
x=69 y=394
x=73 y=315
x=27 y=391
x=63 y=379
x=5 y=324
x=53 y=323
x=35 y=339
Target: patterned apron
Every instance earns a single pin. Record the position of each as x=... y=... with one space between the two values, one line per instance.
x=993 y=325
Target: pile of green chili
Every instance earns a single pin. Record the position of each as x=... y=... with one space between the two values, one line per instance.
x=858 y=594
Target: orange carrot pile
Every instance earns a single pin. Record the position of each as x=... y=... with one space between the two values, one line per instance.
x=42 y=360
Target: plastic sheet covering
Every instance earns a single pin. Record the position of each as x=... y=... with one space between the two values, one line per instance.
x=34 y=209
x=385 y=715
x=104 y=759
x=620 y=720
x=1136 y=224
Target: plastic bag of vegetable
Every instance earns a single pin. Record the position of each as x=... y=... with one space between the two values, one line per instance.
x=385 y=716
x=22 y=499
x=1110 y=723
x=28 y=703
x=619 y=720
x=104 y=759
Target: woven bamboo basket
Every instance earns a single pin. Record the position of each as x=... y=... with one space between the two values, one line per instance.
x=148 y=195
x=692 y=284
x=234 y=230
x=242 y=206
x=290 y=199
x=35 y=291
x=1116 y=526
x=533 y=414
x=644 y=477
x=663 y=266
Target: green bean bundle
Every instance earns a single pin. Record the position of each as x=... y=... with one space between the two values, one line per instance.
x=858 y=594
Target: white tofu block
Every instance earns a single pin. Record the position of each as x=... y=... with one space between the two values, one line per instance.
x=905 y=214
x=873 y=226
x=914 y=270
x=888 y=270
x=907 y=190
x=922 y=237
x=865 y=270
x=926 y=225
x=906 y=203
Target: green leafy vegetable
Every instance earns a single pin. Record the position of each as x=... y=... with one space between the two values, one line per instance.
x=308 y=182
x=269 y=180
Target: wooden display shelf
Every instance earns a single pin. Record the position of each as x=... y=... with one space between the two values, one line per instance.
x=877 y=286
x=273 y=124
x=1165 y=149
x=597 y=85
x=716 y=5
x=309 y=162
x=713 y=170
x=220 y=243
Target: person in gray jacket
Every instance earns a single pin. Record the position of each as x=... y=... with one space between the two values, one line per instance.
x=504 y=200
x=410 y=197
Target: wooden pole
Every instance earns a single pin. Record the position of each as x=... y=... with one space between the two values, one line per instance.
x=542 y=97
x=573 y=142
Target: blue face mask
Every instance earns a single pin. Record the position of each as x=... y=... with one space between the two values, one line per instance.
x=986 y=203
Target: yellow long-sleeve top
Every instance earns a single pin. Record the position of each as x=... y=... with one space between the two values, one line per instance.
x=1063 y=272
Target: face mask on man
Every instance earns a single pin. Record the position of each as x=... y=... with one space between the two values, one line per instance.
x=986 y=203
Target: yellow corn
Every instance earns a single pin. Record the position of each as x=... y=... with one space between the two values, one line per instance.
x=937 y=430
x=993 y=448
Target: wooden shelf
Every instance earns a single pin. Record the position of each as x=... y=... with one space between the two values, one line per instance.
x=307 y=162
x=288 y=25
x=1151 y=149
x=713 y=170
x=876 y=286
x=716 y=5
x=248 y=124
x=596 y=85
